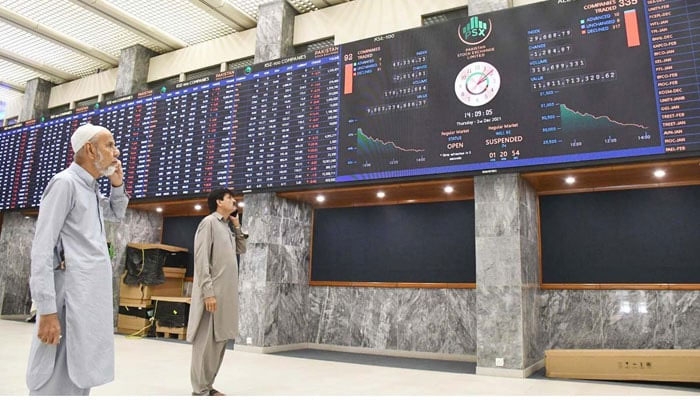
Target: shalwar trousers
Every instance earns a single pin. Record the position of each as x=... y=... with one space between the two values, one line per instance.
x=207 y=355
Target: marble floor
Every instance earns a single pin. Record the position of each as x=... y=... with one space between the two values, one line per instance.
x=160 y=367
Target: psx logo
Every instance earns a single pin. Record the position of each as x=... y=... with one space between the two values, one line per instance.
x=475 y=31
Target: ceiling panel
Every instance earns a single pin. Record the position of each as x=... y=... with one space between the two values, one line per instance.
x=250 y=7
x=65 y=17
x=43 y=51
x=179 y=18
x=303 y=6
x=18 y=75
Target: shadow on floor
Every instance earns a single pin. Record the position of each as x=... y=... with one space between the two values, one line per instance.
x=459 y=367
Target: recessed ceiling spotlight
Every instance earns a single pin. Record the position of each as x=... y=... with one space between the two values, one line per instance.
x=659 y=173
x=449 y=189
x=197 y=207
x=410 y=201
x=570 y=180
x=241 y=204
x=320 y=198
x=159 y=209
x=381 y=194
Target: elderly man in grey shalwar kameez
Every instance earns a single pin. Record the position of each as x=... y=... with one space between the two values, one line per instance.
x=213 y=316
x=73 y=346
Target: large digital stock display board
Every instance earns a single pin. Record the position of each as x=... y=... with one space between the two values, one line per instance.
x=558 y=82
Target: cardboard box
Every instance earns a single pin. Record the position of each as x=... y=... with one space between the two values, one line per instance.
x=174 y=282
x=635 y=365
x=128 y=324
x=174 y=272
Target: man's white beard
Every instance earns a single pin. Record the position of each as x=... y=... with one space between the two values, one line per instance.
x=109 y=171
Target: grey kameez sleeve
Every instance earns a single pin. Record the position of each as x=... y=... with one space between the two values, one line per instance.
x=118 y=201
x=241 y=241
x=55 y=205
x=202 y=258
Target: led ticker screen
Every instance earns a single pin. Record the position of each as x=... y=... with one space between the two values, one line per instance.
x=538 y=85
x=285 y=124
x=535 y=85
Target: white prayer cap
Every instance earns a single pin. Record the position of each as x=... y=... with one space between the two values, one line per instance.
x=83 y=134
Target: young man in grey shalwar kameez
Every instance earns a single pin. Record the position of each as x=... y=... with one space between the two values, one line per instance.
x=213 y=318
x=73 y=346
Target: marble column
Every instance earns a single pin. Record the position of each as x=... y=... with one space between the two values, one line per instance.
x=133 y=70
x=274 y=35
x=274 y=272
x=35 y=101
x=484 y=6
x=15 y=247
x=507 y=276
x=507 y=265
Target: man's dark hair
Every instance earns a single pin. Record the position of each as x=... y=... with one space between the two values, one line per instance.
x=217 y=194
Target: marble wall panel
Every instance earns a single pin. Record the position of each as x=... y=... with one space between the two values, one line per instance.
x=425 y=320
x=373 y=324
x=686 y=319
x=496 y=188
x=461 y=321
x=620 y=319
x=253 y=266
x=251 y=302
x=629 y=319
x=572 y=319
x=502 y=217
x=336 y=309
x=533 y=349
x=287 y=264
x=500 y=326
x=15 y=252
x=498 y=260
x=284 y=321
